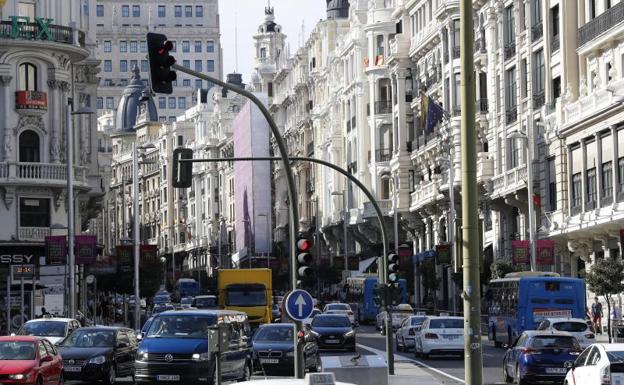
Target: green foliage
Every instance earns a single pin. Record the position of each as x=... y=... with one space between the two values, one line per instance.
x=501 y=267
x=605 y=276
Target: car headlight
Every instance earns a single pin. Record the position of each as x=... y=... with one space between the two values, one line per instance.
x=290 y=354
x=19 y=376
x=350 y=334
x=98 y=360
x=201 y=356
x=143 y=356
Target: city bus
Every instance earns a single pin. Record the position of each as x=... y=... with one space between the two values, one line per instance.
x=520 y=301
x=186 y=287
x=249 y=291
x=361 y=290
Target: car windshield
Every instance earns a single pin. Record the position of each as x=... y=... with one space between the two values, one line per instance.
x=186 y=301
x=417 y=321
x=570 y=326
x=161 y=298
x=446 y=323
x=17 y=350
x=43 y=329
x=246 y=295
x=90 y=338
x=180 y=326
x=616 y=356
x=338 y=306
x=206 y=302
x=275 y=334
x=335 y=322
x=556 y=342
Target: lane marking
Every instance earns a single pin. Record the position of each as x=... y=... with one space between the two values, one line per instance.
x=420 y=363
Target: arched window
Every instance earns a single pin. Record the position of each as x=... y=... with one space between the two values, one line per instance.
x=28 y=77
x=29 y=146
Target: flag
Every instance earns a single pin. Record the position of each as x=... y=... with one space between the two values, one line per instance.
x=537 y=200
x=424 y=107
x=435 y=113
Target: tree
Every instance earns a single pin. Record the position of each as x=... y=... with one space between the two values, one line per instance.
x=605 y=278
x=502 y=267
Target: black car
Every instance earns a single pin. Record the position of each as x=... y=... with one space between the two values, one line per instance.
x=273 y=349
x=205 y=302
x=98 y=354
x=334 y=332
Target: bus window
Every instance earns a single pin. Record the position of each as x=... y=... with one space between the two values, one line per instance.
x=540 y=301
x=564 y=301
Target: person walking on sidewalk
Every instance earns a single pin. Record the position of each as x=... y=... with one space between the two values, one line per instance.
x=596 y=311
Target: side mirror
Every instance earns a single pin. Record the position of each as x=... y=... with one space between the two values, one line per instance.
x=47 y=359
x=139 y=336
x=568 y=365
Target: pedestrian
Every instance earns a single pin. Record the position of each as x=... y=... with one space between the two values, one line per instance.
x=596 y=311
x=44 y=312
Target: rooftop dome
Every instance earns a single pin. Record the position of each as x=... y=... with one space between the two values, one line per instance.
x=129 y=106
x=337 y=9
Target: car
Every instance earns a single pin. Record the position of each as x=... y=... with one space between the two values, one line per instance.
x=205 y=302
x=439 y=335
x=186 y=302
x=406 y=333
x=273 y=349
x=597 y=364
x=175 y=348
x=576 y=326
x=162 y=298
x=540 y=356
x=53 y=329
x=335 y=331
x=29 y=359
x=161 y=307
x=340 y=308
x=308 y=321
x=145 y=327
x=399 y=313
x=276 y=313
x=99 y=353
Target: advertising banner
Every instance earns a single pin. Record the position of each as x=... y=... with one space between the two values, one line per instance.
x=124 y=258
x=443 y=254
x=545 y=252
x=85 y=249
x=149 y=255
x=104 y=264
x=520 y=251
x=56 y=250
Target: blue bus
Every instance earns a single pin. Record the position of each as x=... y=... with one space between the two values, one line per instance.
x=520 y=301
x=187 y=287
x=360 y=290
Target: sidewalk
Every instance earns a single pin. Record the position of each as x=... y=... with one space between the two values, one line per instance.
x=408 y=373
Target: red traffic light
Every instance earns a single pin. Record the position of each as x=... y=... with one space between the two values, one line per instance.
x=166 y=47
x=304 y=244
x=300 y=334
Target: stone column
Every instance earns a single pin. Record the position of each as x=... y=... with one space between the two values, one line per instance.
x=7 y=148
x=583 y=176
x=615 y=163
x=57 y=107
x=401 y=131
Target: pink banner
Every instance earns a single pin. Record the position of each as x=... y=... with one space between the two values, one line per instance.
x=520 y=252
x=86 y=249
x=545 y=252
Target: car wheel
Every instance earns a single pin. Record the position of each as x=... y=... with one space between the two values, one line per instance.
x=110 y=378
x=424 y=355
x=519 y=380
x=398 y=346
x=246 y=373
x=506 y=376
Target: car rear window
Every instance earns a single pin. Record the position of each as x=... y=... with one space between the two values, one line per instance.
x=558 y=342
x=570 y=326
x=338 y=306
x=417 y=320
x=446 y=323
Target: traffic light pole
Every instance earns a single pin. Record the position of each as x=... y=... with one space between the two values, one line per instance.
x=373 y=201
x=294 y=214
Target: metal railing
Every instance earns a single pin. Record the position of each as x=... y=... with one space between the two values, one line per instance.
x=33 y=31
x=539 y=98
x=510 y=50
x=601 y=24
x=456 y=52
x=537 y=31
x=383 y=107
x=511 y=115
x=383 y=154
x=33 y=234
x=482 y=105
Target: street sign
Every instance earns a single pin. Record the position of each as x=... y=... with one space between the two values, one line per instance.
x=299 y=305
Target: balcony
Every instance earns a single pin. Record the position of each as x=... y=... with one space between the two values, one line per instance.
x=510 y=50
x=383 y=107
x=539 y=99
x=456 y=52
x=509 y=181
x=576 y=210
x=485 y=167
x=554 y=43
x=601 y=24
x=383 y=154
x=479 y=46
x=537 y=31
x=33 y=234
x=482 y=105
x=606 y=201
x=590 y=105
x=511 y=115
x=34 y=31
x=385 y=205
x=425 y=193
x=40 y=173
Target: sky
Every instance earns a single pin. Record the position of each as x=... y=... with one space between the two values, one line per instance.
x=250 y=14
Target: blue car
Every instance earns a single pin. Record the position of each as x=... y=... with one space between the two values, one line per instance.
x=540 y=356
x=175 y=348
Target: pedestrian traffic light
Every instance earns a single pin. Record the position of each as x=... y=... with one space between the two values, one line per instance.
x=182 y=171
x=393 y=268
x=161 y=75
x=304 y=257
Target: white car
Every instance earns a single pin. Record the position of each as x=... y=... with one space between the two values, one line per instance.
x=576 y=326
x=440 y=335
x=340 y=308
x=53 y=329
x=406 y=333
x=598 y=364
x=399 y=313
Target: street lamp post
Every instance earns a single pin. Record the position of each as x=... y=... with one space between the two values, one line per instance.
x=345 y=218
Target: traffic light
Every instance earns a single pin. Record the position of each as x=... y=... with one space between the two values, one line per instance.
x=161 y=75
x=394 y=294
x=182 y=171
x=304 y=257
x=393 y=268
x=379 y=295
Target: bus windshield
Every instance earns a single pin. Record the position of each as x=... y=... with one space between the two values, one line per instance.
x=246 y=295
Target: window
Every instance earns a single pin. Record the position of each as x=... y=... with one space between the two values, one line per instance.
x=186 y=63
x=263 y=52
x=536 y=10
x=199 y=11
x=172 y=118
x=510 y=21
x=123 y=46
x=107 y=46
x=538 y=71
x=607 y=180
x=110 y=102
x=144 y=66
x=554 y=12
x=380 y=45
x=29 y=147
x=524 y=81
x=177 y=10
x=456 y=31
x=510 y=89
x=99 y=10
x=210 y=66
x=125 y=11
x=133 y=46
x=515 y=149
x=552 y=185
x=162 y=102
x=162 y=11
x=186 y=46
x=108 y=66
x=181 y=102
x=34 y=212
x=198 y=84
x=186 y=83
x=172 y=102
x=210 y=46
x=576 y=190
x=198 y=46
x=198 y=65
x=188 y=11
x=123 y=66
x=136 y=11
x=180 y=140
x=143 y=46
x=28 y=77
x=175 y=46
x=100 y=102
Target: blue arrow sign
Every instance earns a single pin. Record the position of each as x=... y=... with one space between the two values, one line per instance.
x=299 y=305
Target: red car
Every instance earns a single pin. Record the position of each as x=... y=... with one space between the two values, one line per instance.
x=29 y=360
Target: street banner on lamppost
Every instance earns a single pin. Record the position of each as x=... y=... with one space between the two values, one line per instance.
x=86 y=250
x=520 y=252
x=56 y=250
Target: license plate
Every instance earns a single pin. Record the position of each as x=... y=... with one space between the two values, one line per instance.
x=73 y=369
x=168 y=377
x=451 y=337
x=269 y=361
x=332 y=341
x=556 y=370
